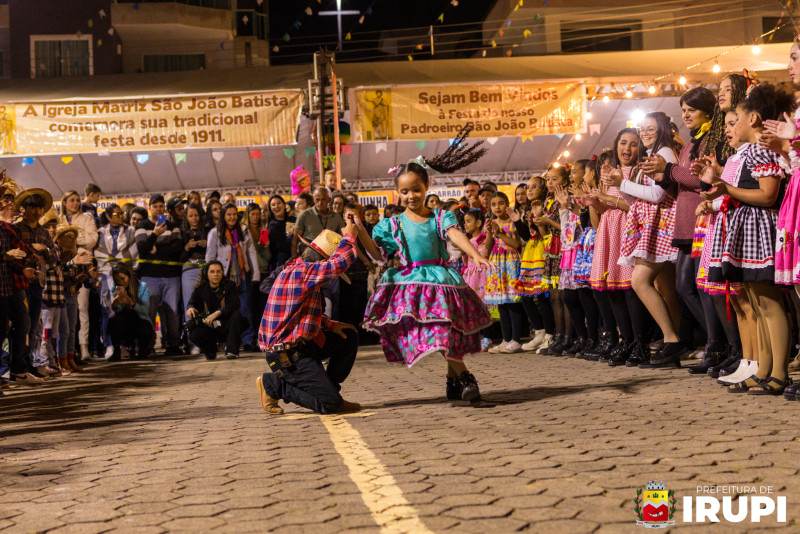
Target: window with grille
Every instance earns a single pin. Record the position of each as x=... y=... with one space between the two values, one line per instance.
x=174 y=62
x=58 y=56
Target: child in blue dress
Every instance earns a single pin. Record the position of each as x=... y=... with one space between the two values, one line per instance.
x=423 y=306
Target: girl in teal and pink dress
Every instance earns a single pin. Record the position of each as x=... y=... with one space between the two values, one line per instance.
x=424 y=306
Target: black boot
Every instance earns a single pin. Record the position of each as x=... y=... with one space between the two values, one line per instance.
x=605 y=355
x=574 y=348
x=639 y=355
x=600 y=346
x=712 y=357
x=667 y=357
x=558 y=348
x=454 y=388
x=732 y=360
x=555 y=340
x=588 y=348
x=621 y=353
x=469 y=387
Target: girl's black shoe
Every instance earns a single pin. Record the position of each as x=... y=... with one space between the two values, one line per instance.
x=621 y=353
x=588 y=348
x=469 y=387
x=454 y=388
x=575 y=347
x=558 y=348
x=639 y=355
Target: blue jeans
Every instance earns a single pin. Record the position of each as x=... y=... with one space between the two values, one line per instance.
x=189 y=277
x=67 y=326
x=248 y=335
x=165 y=291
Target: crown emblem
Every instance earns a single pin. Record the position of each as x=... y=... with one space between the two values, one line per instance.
x=655 y=485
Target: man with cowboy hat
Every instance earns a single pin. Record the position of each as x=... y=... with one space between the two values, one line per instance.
x=12 y=253
x=27 y=299
x=298 y=337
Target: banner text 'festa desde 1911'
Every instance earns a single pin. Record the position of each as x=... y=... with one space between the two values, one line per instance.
x=132 y=124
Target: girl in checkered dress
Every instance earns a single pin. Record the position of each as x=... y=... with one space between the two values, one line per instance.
x=619 y=306
x=647 y=241
x=744 y=251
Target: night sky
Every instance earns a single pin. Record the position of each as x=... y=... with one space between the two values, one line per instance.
x=321 y=31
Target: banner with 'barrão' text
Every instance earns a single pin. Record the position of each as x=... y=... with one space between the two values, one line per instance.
x=132 y=124
x=440 y=111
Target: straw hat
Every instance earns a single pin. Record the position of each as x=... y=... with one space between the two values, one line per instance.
x=50 y=216
x=8 y=185
x=326 y=244
x=62 y=229
x=48 y=198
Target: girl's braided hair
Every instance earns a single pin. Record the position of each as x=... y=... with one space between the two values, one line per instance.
x=457 y=156
x=716 y=134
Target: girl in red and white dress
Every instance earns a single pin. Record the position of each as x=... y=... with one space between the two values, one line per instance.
x=647 y=241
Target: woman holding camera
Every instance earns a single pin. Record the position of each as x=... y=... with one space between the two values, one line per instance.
x=214 y=313
x=230 y=244
x=130 y=324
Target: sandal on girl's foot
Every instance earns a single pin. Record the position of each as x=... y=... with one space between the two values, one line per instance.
x=454 y=388
x=743 y=386
x=792 y=393
x=469 y=387
x=765 y=387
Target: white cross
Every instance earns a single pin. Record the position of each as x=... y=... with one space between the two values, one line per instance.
x=339 y=14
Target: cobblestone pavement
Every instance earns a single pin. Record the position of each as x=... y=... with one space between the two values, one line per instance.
x=558 y=445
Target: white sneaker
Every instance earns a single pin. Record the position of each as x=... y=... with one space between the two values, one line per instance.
x=195 y=351
x=536 y=342
x=497 y=348
x=109 y=352
x=698 y=354
x=746 y=369
x=548 y=338
x=512 y=347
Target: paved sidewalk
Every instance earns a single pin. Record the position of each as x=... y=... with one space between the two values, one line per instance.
x=558 y=445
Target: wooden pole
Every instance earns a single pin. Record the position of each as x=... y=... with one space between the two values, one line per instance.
x=337 y=148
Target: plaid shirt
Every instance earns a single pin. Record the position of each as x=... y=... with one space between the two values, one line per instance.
x=29 y=236
x=53 y=293
x=8 y=268
x=295 y=304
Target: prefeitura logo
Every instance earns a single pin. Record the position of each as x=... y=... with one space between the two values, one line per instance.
x=654 y=505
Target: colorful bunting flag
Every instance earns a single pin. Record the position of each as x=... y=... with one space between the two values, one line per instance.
x=361 y=19
x=288 y=152
x=348 y=36
x=180 y=157
x=491 y=140
x=27 y=161
x=90 y=23
x=421 y=144
x=255 y=154
x=309 y=12
x=560 y=136
x=141 y=159
x=66 y=160
x=594 y=129
x=527 y=138
x=526 y=34
x=311 y=150
x=111 y=31
x=286 y=37
x=102 y=13
x=380 y=147
x=494 y=43
x=441 y=18
x=346 y=149
x=218 y=156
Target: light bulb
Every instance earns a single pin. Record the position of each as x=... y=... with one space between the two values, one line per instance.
x=588 y=114
x=756 y=49
x=556 y=164
x=652 y=89
x=715 y=68
x=606 y=100
x=682 y=80
x=578 y=137
x=628 y=93
x=566 y=153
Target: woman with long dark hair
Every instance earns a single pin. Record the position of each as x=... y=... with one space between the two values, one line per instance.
x=230 y=244
x=195 y=239
x=215 y=313
x=280 y=226
x=130 y=325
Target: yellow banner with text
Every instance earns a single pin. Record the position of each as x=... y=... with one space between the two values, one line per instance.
x=439 y=112
x=132 y=124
